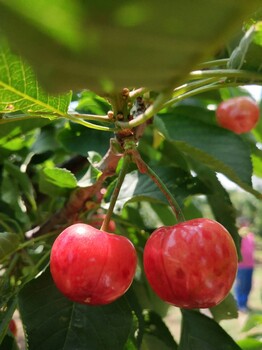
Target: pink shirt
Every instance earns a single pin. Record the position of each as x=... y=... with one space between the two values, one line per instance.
x=247 y=251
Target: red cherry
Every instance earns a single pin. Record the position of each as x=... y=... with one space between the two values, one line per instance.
x=13 y=327
x=238 y=114
x=90 y=266
x=192 y=264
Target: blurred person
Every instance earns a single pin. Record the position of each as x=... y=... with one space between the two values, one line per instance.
x=244 y=278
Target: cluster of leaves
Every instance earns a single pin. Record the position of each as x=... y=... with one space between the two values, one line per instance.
x=52 y=169
x=39 y=174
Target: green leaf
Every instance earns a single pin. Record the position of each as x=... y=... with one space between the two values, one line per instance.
x=20 y=92
x=237 y=58
x=23 y=181
x=8 y=243
x=7 y=222
x=226 y=310
x=17 y=192
x=76 y=40
x=78 y=139
x=150 y=215
x=220 y=149
x=60 y=177
x=130 y=345
x=64 y=29
x=157 y=334
x=11 y=195
x=257 y=163
x=56 y=181
x=200 y=332
x=9 y=343
x=89 y=178
x=219 y=201
x=148 y=299
x=138 y=187
x=250 y=344
x=14 y=145
x=94 y=158
x=248 y=54
x=45 y=141
x=5 y=318
x=191 y=210
x=10 y=131
x=92 y=103
x=139 y=326
x=53 y=322
x=253 y=321
x=92 y=174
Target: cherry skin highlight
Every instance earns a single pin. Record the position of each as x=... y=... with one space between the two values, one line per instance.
x=90 y=266
x=192 y=264
x=238 y=114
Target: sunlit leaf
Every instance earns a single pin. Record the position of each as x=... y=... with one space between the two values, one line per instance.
x=9 y=131
x=250 y=344
x=54 y=181
x=20 y=91
x=253 y=320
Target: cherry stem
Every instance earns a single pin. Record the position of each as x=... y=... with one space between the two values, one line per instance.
x=145 y=169
x=120 y=179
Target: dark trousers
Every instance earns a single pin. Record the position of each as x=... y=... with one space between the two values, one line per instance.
x=243 y=285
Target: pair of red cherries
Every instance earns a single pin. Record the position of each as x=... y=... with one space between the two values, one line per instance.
x=190 y=265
